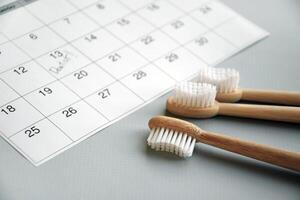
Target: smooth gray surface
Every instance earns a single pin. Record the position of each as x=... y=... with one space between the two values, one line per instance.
x=115 y=164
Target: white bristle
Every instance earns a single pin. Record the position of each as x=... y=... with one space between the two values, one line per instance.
x=164 y=139
x=225 y=79
x=190 y=94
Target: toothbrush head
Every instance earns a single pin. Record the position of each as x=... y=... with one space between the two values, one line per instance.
x=194 y=95
x=193 y=100
x=172 y=135
x=226 y=81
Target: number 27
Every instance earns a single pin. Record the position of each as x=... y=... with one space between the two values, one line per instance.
x=104 y=93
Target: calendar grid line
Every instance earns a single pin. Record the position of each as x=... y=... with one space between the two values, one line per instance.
x=208 y=30
x=122 y=84
x=142 y=66
x=64 y=147
x=12 y=135
x=212 y=29
x=39 y=56
x=25 y=94
x=180 y=45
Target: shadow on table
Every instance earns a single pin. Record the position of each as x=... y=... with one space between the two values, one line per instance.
x=249 y=165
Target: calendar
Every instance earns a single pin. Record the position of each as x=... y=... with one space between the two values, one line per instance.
x=69 y=68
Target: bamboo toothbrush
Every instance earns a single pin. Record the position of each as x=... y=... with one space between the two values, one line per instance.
x=179 y=137
x=227 y=82
x=197 y=100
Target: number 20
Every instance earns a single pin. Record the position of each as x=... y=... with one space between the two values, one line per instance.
x=147 y=40
x=81 y=74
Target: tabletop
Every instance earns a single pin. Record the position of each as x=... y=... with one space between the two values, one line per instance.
x=116 y=163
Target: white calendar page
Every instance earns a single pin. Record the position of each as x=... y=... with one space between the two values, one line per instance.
x=70 y=68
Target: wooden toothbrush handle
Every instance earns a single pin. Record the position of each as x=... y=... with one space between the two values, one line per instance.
x=272 y=96
x=275 y=113
x=276 y=156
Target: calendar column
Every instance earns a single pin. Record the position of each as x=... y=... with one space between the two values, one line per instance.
x=111 y=59
x=13 y=109
x=17 y=115
x=73 y=68
x=23 y=117
x=150 y=81
x=117 y=99
x=27 y=128
x=211 y=47
x=181 y=63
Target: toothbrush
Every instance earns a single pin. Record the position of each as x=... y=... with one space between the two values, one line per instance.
x=197 y=100
x=179 y=137
x=227 y=82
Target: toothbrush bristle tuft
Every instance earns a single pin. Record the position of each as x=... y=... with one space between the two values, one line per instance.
x=225 y=79
x=190 y=94
x=164 y=139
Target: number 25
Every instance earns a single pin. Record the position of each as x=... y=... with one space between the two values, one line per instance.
x=32 y=131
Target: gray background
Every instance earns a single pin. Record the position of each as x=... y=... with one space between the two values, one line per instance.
x=116 y=164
